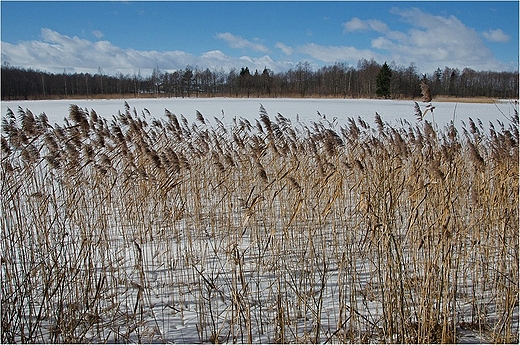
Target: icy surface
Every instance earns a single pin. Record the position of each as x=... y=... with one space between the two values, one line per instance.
x=305 y=110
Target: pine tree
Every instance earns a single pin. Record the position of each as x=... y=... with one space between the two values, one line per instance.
x=383 y=81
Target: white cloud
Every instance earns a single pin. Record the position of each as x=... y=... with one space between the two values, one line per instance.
x=356 y=24
x=436 y=41
x=241 y=43
x=285 y=49
x=98 y=34
x=431 y=41
x=215 y=55
x=382 y=43
x=332 y=54
x=57 y=52
x=496 y=36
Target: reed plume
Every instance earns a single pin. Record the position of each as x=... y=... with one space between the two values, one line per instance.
x=160 y=230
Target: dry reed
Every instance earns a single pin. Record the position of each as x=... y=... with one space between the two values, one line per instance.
x=137 y=229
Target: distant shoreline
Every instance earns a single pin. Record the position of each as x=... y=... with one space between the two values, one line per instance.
x=441 y=98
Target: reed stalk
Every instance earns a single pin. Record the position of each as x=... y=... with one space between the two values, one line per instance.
x=137 y=229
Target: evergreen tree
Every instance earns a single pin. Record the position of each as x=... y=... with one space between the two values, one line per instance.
x=245 y=80
x=383 y=81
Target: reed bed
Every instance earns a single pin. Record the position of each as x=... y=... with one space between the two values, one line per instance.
x=137 y=229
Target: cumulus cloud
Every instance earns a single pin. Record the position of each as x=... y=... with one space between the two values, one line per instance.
x=332 y=54
x=57 y=52
x=285 y=49
x=356 y=24
x=241 y=43
x=496 y=36
x=98 y=34
x=428 y=40
x=431 y=41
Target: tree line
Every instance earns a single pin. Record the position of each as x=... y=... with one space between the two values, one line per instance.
x=339 y=80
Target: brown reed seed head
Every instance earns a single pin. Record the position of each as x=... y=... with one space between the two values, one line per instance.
x=271 y=238
x=425 y=91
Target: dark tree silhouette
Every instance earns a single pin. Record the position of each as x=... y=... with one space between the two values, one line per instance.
x=369 y=79
x=383 y=81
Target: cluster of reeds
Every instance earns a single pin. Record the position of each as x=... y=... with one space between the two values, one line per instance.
x=144 y=229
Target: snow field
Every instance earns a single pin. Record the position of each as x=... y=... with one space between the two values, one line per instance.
x=226 y=109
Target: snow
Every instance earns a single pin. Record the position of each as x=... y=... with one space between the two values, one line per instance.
x=306 y=110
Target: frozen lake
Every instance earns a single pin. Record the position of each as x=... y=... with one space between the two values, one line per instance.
x=391 y=111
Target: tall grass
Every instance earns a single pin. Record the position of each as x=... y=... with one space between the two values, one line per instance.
x=135 y=229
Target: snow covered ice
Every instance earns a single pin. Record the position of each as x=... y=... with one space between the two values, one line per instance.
x=305 y=109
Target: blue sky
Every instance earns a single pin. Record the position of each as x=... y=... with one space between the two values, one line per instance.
x=133 y=36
